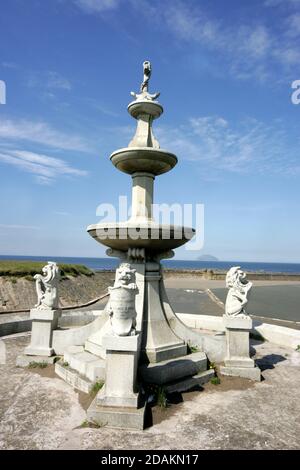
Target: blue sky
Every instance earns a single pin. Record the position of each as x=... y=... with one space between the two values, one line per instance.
x=224 y=70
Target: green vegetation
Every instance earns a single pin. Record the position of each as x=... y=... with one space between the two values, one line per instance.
x=91 y=424
x=96 y=387
x=162 y=400
x=298 y=348
x=65 y=364
x=215 y=381
x=34 y=365
x=193 y=348
x=27 y=269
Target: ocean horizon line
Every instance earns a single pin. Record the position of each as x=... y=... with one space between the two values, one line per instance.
x=172 y=259
x=109 y=263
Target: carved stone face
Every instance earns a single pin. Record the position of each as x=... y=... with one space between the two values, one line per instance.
x=236 y=277
x=125 y=274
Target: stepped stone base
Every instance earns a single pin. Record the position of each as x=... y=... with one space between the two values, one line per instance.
x=73 y=378
x=190 y=382
x=24 y=360
x=252 y=373
x=117 y=417
x=85 y=363
x=164 y=353
x=94 y=348
x=173 y=369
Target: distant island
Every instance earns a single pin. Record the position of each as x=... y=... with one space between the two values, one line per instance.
x=207 y=258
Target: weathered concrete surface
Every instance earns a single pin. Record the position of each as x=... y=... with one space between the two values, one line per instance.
x=44 y=413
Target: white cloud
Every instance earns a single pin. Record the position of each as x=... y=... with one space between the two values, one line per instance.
x=97 y=6
x=55 y=80
x=46 y=169
x=293 y=25
x=51 y=80
x=41 y=133
x=9 y=65
x=248 y=50
x=14 y=226
x=247 y=147
x=274 y=3
x=62 y=213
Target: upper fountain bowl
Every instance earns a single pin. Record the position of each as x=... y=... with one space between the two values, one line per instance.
x=150 y=235
x=146 y=159
x=139 y=107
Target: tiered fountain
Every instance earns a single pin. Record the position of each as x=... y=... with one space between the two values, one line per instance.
x=140 y=337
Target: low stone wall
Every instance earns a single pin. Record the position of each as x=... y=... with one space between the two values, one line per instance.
x=280 y=335
x=67 y=320
x=218 y=275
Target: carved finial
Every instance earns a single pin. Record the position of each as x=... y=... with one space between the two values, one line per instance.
x=144 y=95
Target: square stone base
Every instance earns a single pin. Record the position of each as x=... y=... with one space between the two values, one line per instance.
x=117 y=417
x=252 y=373
x=130 y=400
x=32 y=351
x=239 y=362
x=237 y=323
x=23 y=360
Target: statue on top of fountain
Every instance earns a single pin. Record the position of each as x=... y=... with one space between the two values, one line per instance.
x=47 y=287
x=144 y=94
x=237 y=297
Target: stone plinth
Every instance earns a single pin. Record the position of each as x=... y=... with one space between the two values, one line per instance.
x=118 y=400
x=237 y=359
x=121 y=370
x=44 y=321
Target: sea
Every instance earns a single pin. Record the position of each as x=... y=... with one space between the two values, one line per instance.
x=100 y=264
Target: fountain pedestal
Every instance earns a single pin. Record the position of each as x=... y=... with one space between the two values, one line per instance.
x=141 y=243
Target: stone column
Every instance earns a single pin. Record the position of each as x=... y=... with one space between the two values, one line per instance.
x=237 y=360
x=142 y=196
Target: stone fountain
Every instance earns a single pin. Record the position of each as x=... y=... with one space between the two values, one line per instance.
x=139 y=339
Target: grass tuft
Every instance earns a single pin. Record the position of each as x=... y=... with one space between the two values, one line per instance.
x=91 y=424
x=34 y=365
x=96 y=387
x=193 y=348
x=215 y=381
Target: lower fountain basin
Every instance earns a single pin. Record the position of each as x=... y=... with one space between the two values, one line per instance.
x=147 y=159
x=151 y=236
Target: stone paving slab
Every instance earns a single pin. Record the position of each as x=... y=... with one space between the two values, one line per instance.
x=43 y=412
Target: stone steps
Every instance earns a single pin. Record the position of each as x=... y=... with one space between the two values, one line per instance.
x=86 y=364
x=72 y=377
x=189 y=383
x=94 y=348
x=174 y=369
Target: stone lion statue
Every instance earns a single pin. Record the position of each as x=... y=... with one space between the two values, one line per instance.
x=239 y=288
x=121 y=305
x=47 y=287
